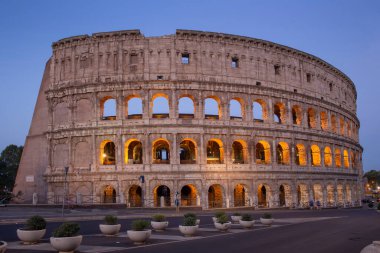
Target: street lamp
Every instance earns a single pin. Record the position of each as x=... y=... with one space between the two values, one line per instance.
x=64 y=189
x=142 y=181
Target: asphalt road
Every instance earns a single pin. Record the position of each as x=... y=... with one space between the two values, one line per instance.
x=352 y=231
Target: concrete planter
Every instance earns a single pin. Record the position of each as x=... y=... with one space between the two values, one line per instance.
x=266 y=221
x=30 y=236
x=372 y=248
x=109 y=229
x=247 y=223
x=139 y=237
x=197 y=222
x=214 y=219
x=222 y=226
x=66 y=244
x=159 y=225
x=236 y=219
x=3 y=246
x=188 y=230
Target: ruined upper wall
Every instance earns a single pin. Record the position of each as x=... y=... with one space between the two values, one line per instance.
x=127 y=56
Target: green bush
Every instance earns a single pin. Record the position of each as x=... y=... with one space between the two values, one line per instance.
x=222 y=219
x=139 y=225
x=236 y=214
x=190 y=215
x=159 y=217
x=247 y=217
x=370 y=205
x=378 y=206
x=110 y=220
x=189 y=221
x=217 y=214
x=267 y=216
x=35 y=223
x=66 y=230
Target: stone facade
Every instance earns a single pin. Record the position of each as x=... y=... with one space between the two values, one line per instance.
x=295 y=137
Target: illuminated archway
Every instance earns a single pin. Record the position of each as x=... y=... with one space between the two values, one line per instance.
x=300 y=153
x=297 y=115
x=161 y=151
x=263 y=195
x=135 y=196
x=338 y=158
x=107 y=153
x=279 y=113
x=109 y=194
x=328 y=157
x=188 y=152
x=215 y=196
x=189 y=195
x=315 y=155
x=263 y=153
x=239 y=152
x=133 y=152
x=324 y=121
x=311 y=118
x=283 y=153
x=241 y=195
x=346 y=159
x=302 y=195
x=215 y=152
x=161 y=193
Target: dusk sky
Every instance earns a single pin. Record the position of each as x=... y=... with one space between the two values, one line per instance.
x=343 y=33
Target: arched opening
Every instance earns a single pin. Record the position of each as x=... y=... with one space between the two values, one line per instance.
x=311 y=118
x=333 y=124
x=236 y=109
x=161 y=196
x=324 y=121
x=237 y=152
x=161 y=152
x=214 y=152
x=297 y=115
x=212 y=108
x=318 y=193
x=263 y=152
x=215 y=196
x=341 y=125
x=283 y=153
x=338 y=158
x=339 y=193
x=348 y=194
x=353 y=159
x=109 y=194
x=186 y=109
x=346 y=160
x=302 y=196
x=300 y=153
x=189 y=195
x=160 y=106
x=241 y=195
x=279 y=113
x=188 y=152
x=134 y=153
x=108 y=108
x=260 y=112
x=262 y=196
x=134 y=108
x=315 y=155
x=330 y=195
x=107 y=153
x=348 y=126
x=328 y=157
x=135 y=196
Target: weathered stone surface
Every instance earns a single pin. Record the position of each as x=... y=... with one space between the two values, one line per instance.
x=70 y=129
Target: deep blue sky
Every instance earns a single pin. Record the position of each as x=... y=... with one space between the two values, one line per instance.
x=344 y=33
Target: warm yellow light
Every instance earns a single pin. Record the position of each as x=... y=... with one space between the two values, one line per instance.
x=104 y=155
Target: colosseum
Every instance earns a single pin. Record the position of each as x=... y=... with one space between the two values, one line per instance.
x=194 y=118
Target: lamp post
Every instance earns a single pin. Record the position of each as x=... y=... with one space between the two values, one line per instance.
x=142 y=181
x=64 y=189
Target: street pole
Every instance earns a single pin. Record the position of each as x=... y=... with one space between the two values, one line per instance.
x=64 y=190
x=142 y=180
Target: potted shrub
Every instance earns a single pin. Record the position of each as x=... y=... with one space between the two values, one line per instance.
x=247 y=221
x=217 y=215
x=266 y=219
x=378 y=207
x=159 y=222
x=235 y=217
x=222 y=223
x=197 y=221
x=3 y=246
x=189 y=226
x=139 y=234
x=65 y=238
x=34 y=230
x=111 y=227
x=370 y=204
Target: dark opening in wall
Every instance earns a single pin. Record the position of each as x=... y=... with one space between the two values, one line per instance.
x=133 y=59
x=277 y=69
x=308 y=77
x=331 y=86
x=295 y=90
x=234 y=62
x=185 y=58
x=258 y=83
x=160 y=77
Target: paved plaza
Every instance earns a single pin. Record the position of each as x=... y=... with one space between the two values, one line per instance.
x=334 y=230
